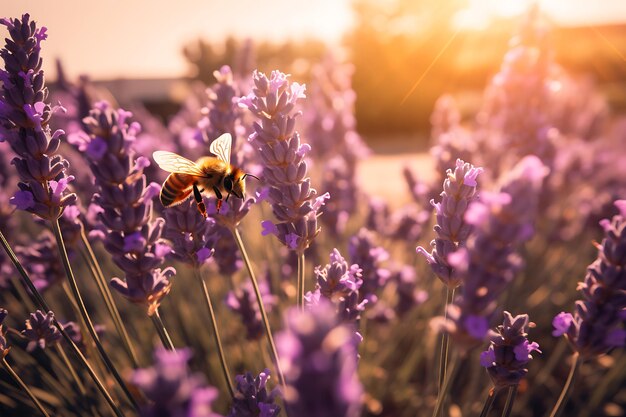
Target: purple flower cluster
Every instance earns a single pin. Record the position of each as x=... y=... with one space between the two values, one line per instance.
x=41 y=261
x=252 y=398
x=41 y=331
x=598 y=323
x=190 y=234
x=509 y=351
x=489 y=261
x=319 y=358
x=243 y=302
x=24 y=124
x=364 y=252
x=335 y=143
x=339 y=283
x=125 y=205
x=459 y=190
x=4 y=348
x=172 y=389
x=293 y=200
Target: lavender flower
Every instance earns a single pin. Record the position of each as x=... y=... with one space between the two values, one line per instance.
x=190 y=234
x=4 y=348
x=339 y=283
x=40 y=331
x=243 y=302
x=24 y=118
x=408 y=292
x=489 y=262
x=293 y=200
x=597 y=325
x=252 y=398
x=41 y=261
x=319 y=359
x=172 y=390
x=452 y=231
x=363 y=251
x=331 y=125
x=125 y=204
x=509 y=351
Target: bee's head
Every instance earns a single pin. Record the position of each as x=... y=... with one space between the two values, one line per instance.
x=235 y=183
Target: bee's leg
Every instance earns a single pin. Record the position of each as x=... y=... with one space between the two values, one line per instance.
x=218 y=194
x=199 y=201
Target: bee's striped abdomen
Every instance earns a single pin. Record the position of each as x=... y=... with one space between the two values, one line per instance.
x=176 y=189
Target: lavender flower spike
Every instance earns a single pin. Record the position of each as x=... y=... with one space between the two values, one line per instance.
x=24 y=124
x=133 y=238
x=459 y=189
x=252 y=398
x=172 y=389
x=509 y=351
x=319 y=357
x=40 y=331
x=293 y=200
x=597 y=325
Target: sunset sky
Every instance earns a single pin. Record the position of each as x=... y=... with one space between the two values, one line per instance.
x=143 y=38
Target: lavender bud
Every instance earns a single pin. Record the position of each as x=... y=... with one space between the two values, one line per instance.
x=172 y=389
x=597 y=325
x=24 y=123
x=252 y=399
x=459 y=189
x=40 y=331
x=319 y=359
x=509 y=351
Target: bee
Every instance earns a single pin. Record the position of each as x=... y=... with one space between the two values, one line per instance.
x=207 y=173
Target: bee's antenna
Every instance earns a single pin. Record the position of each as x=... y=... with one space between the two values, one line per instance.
x=250 y=175
x=227 y=197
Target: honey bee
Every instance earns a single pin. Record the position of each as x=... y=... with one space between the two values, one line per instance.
x=207 y=173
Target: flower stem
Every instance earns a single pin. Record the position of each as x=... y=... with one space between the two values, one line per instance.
x=162 y=331
x=489 y=402
x=510 y=399
x=266 y=323
x=94 y=267
x=22 y=385
x=83 y=312
x=445 y=387
x=44 y=306
x=560 y=404
x=445 y=340
x=300 y=294
x=216 y=333
x=71 y=369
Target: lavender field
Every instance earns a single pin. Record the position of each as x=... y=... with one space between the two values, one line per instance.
x=484 y=277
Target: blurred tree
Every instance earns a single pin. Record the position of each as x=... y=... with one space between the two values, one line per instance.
x=245 y=55
x=402 y=51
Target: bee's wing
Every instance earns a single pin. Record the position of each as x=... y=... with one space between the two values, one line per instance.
x=221 y=147
x=171 y=162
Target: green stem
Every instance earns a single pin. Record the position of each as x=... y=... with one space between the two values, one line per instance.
x=445 y=340
x=300 y=294
x=83 y=312
x=44 y=306
x=162 y=331
x=71 y=370
x=266 y=323
x=489 y=402
x=445 y=388
x=565 y=393
x=103 y=287
x=510 y=399
x=22 y=385
x=216 y=333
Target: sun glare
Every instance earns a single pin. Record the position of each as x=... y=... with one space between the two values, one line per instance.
x=479 y=13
